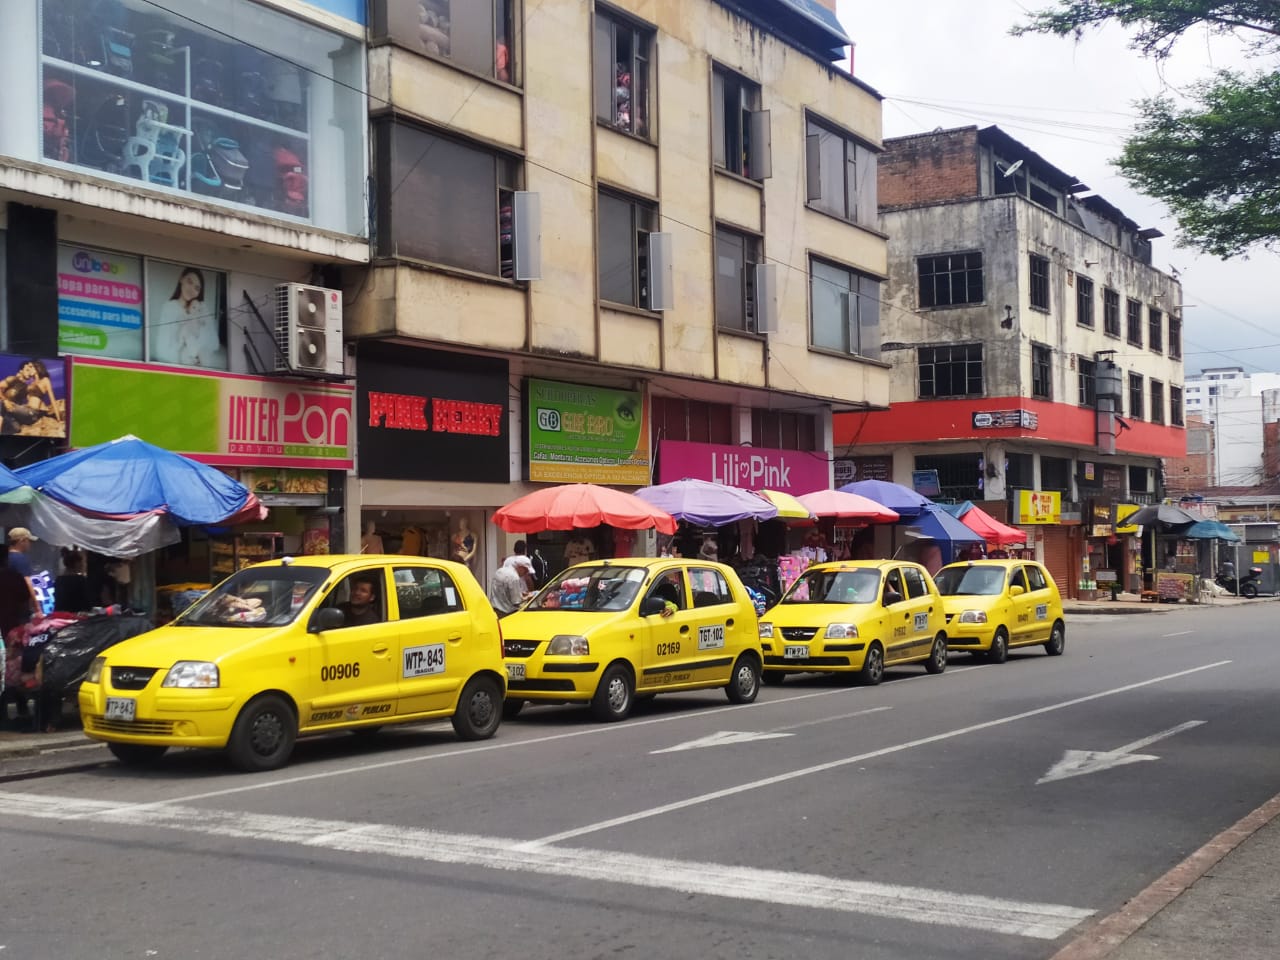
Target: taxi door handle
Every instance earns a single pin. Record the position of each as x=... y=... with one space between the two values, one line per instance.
x=380 y=648
x=685 y=628
x=454 y=637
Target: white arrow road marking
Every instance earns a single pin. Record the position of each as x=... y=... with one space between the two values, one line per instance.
x=723 y=738
x=1076 y=763
x=1045 y=921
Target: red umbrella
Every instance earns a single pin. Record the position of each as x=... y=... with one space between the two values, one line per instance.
x=846 y=506
x=574 y=506
x=991 y=529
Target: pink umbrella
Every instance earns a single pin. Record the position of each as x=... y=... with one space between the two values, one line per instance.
x=575 y=506
x=846 y=506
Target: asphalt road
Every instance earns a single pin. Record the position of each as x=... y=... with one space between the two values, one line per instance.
x=990 y=812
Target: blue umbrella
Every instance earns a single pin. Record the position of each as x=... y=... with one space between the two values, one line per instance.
x=707 y=504
x=903 y=500
x=935 y=524
x=1210 y=530
x=129 y=477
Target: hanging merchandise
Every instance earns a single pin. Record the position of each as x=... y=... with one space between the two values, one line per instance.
x=248 y=81
x=112 y=47
x=159 y=59
x=284 y=91
x=155 y=151
x=293 y=181
x=218 y=167
x=106 y=132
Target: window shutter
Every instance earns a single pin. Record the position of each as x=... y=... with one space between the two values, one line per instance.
x=717 y=119
x=603 y=68
x=766 y=297
x=812 y=167
x=527 y=235
x=760 y=162
x=661 y=273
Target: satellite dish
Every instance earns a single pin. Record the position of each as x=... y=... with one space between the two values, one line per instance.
x=1011 y=169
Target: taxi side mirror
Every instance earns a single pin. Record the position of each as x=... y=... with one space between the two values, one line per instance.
x=1016 y=590
x=651 y=606
x=327 y=618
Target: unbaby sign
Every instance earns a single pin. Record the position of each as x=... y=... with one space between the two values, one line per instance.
x=752 y=468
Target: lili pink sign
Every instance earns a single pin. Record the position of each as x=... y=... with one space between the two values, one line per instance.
x=752 y=468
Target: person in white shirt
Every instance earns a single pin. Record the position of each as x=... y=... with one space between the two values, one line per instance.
x=506 y=591
x=519 y=562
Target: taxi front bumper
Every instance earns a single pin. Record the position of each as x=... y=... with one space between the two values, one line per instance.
x=170 y=718
x=552 y=680
x=969 y=636
x=818 y=655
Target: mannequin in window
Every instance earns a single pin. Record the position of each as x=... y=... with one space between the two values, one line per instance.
x=371 y=542
x=464 y=544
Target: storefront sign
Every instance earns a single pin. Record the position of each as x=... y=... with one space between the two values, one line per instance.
x=1126 y=510
x=925 y=483
x=853 y=469
x=430 y=415
x=581 y=434
x=1038 y=506
x=219 y=418
x=99 y=303
x=999 y=419
x=753 y=468
x=33 y=396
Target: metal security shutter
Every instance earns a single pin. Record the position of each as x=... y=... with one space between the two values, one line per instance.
x=1057 y=557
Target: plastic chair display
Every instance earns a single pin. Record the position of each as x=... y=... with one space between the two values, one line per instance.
x=155 y=152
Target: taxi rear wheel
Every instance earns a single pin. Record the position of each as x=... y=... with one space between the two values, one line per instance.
x=999 y=651
x=872 y=667
x=744 y=684
x=136 y=754
x=1057 y=640
x=937 y=661
x=479 y=710
x=614 y=695
x=264 y=734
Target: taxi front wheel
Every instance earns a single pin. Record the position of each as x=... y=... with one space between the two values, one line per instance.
x=264 y=734
x=614 y=695
x=479 y=712
x=872 y=666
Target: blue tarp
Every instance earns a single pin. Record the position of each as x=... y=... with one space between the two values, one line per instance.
x=937 y=524
x=128 y=476
x=956 y=510
x=1210 y=530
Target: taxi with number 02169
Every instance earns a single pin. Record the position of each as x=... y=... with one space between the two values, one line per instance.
x=302 y=646
x=605 y=632
x=855 y=618
x=994 y=605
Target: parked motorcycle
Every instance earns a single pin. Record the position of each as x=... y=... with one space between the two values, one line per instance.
x=1246 y=586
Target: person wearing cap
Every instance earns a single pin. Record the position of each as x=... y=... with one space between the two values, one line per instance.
x=20 y=540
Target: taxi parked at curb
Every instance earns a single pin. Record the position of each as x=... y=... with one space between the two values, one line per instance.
x=855 y=618
x=301 y=646
x=605 y=632
x=995 y=605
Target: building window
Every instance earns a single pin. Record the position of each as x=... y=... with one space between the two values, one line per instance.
x=623 y=249
x=1175 y=337
x=783 y=430
x=1175 y=406
x=950 y=279
x=954 y=370
x=1111 y=313
x=960 y=475
x=840 y=174
x=1157 y=401
x=1155 y=330
x=846 y=310
x=474 y=35
x=1134 y=322
x=452 y=201
x=1135 y=396
x=1041 y=375
x=1039 y=282
x=736 y=257
x=1087 y=375
x=622 y=55
x=740 y=140
x=1084 y=301
x=675 y=418
x=1055 y=474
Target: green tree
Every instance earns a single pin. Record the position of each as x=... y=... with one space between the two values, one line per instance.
x=1215 y=161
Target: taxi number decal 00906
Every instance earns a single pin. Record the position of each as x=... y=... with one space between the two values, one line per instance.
x=1042 y=611
x=669 y=649
x=922 y=621
x=711 y=638
x=340 y=671
x=424 y=661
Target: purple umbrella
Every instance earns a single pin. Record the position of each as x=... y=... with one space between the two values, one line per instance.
x=707 y=504
x=895 y=496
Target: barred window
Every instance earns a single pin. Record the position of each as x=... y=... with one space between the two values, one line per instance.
x=954 y=370
x=1084 y=301
x=1135 y=322
x=950 y=279
x=1041 y=372
x=1087 y=373
x=1111 y=313
x=1039 y=282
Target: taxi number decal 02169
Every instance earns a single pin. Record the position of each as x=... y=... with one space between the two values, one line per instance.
x=1042 y=611
x=712 y=637
x=424 y=661
x=668 y=649
x=922 y=621
x=340 y=671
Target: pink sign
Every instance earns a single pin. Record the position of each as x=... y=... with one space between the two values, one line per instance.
x=752 y=468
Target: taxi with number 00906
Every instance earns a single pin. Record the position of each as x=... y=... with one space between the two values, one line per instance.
x=302 y=646
x=607 y=631
x=994 y=605
x=855 y=618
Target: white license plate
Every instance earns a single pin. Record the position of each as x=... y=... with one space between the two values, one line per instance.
x=121 y=708
x=795 y=653
x=515 y=671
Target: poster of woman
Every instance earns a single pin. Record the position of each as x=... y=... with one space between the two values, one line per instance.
x=186 y=315
x=32 y=397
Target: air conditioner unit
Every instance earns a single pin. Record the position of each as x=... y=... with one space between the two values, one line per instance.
x=308 y=330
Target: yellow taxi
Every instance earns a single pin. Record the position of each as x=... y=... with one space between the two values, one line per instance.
x=993 y=605
x=606 y=632
x=855 y=618
x=302 y=646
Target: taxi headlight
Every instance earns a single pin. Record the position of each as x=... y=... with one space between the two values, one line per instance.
x=841 y=631
x=568 y=645
x=95 y=670
x=973 y=616
x=766 y=631
x=192 y=673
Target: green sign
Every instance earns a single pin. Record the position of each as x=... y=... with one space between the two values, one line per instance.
x=581 y=434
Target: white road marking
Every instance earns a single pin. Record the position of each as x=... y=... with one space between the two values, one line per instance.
x=721 y=739
x=859 y=758
x=1043 y=921
x=1180 y=633
x=1076 y=763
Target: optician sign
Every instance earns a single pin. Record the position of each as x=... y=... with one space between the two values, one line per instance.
x=581 y=434
x=752 y=468
x=221 y=418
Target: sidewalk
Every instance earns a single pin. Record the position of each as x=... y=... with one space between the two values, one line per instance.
x=1132 y=603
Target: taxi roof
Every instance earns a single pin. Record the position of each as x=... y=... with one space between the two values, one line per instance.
x=990 y=562
x=860 y=564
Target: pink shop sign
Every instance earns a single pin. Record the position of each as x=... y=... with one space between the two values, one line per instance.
x=752 y=468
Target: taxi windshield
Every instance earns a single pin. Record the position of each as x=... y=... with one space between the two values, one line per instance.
x=835 y=586
x=270 y=597
x=970 y=581
x=595 y=588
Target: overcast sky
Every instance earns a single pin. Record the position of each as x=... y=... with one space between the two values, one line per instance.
x=951 y=63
